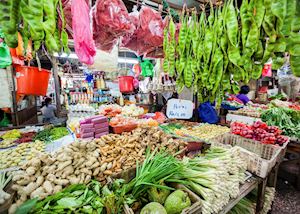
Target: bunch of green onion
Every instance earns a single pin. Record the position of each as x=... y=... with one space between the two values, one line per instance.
x=215 y=177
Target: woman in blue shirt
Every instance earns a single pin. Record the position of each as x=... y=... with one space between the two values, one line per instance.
x=242 y=96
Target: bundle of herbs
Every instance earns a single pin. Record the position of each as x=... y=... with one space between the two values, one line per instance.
x=80 y=198
x=286 y=119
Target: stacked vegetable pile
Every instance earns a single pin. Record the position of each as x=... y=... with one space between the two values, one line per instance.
x=13 y=157
x=50 y=133
x=14 y=137
x=213 y=53
x=121 y=152
x=286 y=119
x=77 y=198
x=39 y=21
x=215 y=177
x=203 y=131
x=259 y=131
x=79 y=162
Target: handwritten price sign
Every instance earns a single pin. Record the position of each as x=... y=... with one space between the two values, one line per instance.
x=180 y=109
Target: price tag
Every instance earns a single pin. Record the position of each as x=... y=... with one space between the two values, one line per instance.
x=180 y=109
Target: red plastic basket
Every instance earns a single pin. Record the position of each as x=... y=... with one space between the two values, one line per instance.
x=126 y=84
x=31 y=80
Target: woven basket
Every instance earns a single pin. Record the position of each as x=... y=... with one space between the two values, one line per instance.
x=261 y=158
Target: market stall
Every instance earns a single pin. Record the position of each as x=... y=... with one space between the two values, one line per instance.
x=142 y=86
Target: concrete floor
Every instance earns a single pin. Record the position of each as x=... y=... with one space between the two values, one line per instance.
x=287 y=199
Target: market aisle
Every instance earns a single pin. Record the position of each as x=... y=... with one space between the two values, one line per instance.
x=287 y=200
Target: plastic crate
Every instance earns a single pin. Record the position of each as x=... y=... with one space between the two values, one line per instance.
x=261 y=158
x=124 y=128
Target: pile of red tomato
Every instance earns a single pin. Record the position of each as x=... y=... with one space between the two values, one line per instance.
x=259 y=131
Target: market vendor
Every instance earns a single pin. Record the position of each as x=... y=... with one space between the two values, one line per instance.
x=242 y=96
x=48 y=111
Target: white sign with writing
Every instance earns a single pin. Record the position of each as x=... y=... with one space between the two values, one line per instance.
x=180 y=109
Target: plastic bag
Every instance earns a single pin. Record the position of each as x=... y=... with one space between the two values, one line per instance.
x=267 y=70
x=147 y=37
x=151 y=27
x=207 y=113
x=147 y=68
x=5 y=58
x=110 y=21
x=130 y=39
x=83 y=37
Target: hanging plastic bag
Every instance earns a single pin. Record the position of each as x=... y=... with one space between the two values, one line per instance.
x=267 y=70
x=83 y=37
x=151 y=27
x=5 y=58
x=110 y=21
x=5 y=121
x=207 y=113
x=147 y=68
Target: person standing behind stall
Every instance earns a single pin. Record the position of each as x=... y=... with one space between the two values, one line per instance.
x=242 y=96
x=48 y=111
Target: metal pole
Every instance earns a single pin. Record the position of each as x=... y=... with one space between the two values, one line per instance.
x=57 y=85
x=15 y=117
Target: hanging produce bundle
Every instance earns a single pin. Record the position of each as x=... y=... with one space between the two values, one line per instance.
x=110 y=22
x=37 y=21
x=147 y=37
x=214 y=53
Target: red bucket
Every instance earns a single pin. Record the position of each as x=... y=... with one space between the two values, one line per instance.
x=32 y=81
x=126 y=84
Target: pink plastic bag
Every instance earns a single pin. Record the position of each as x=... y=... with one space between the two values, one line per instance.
x=110 y=21
x=83 y=38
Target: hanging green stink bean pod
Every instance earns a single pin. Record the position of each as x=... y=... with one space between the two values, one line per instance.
x=166 y=52
x=290 y=14
x=259 y=12
x=172 y=48
x=278 y=8
x=9 y=20
x=295 y=65
x=296 y=19
x=182 y=36
x=231 y=23
x=188 y=73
